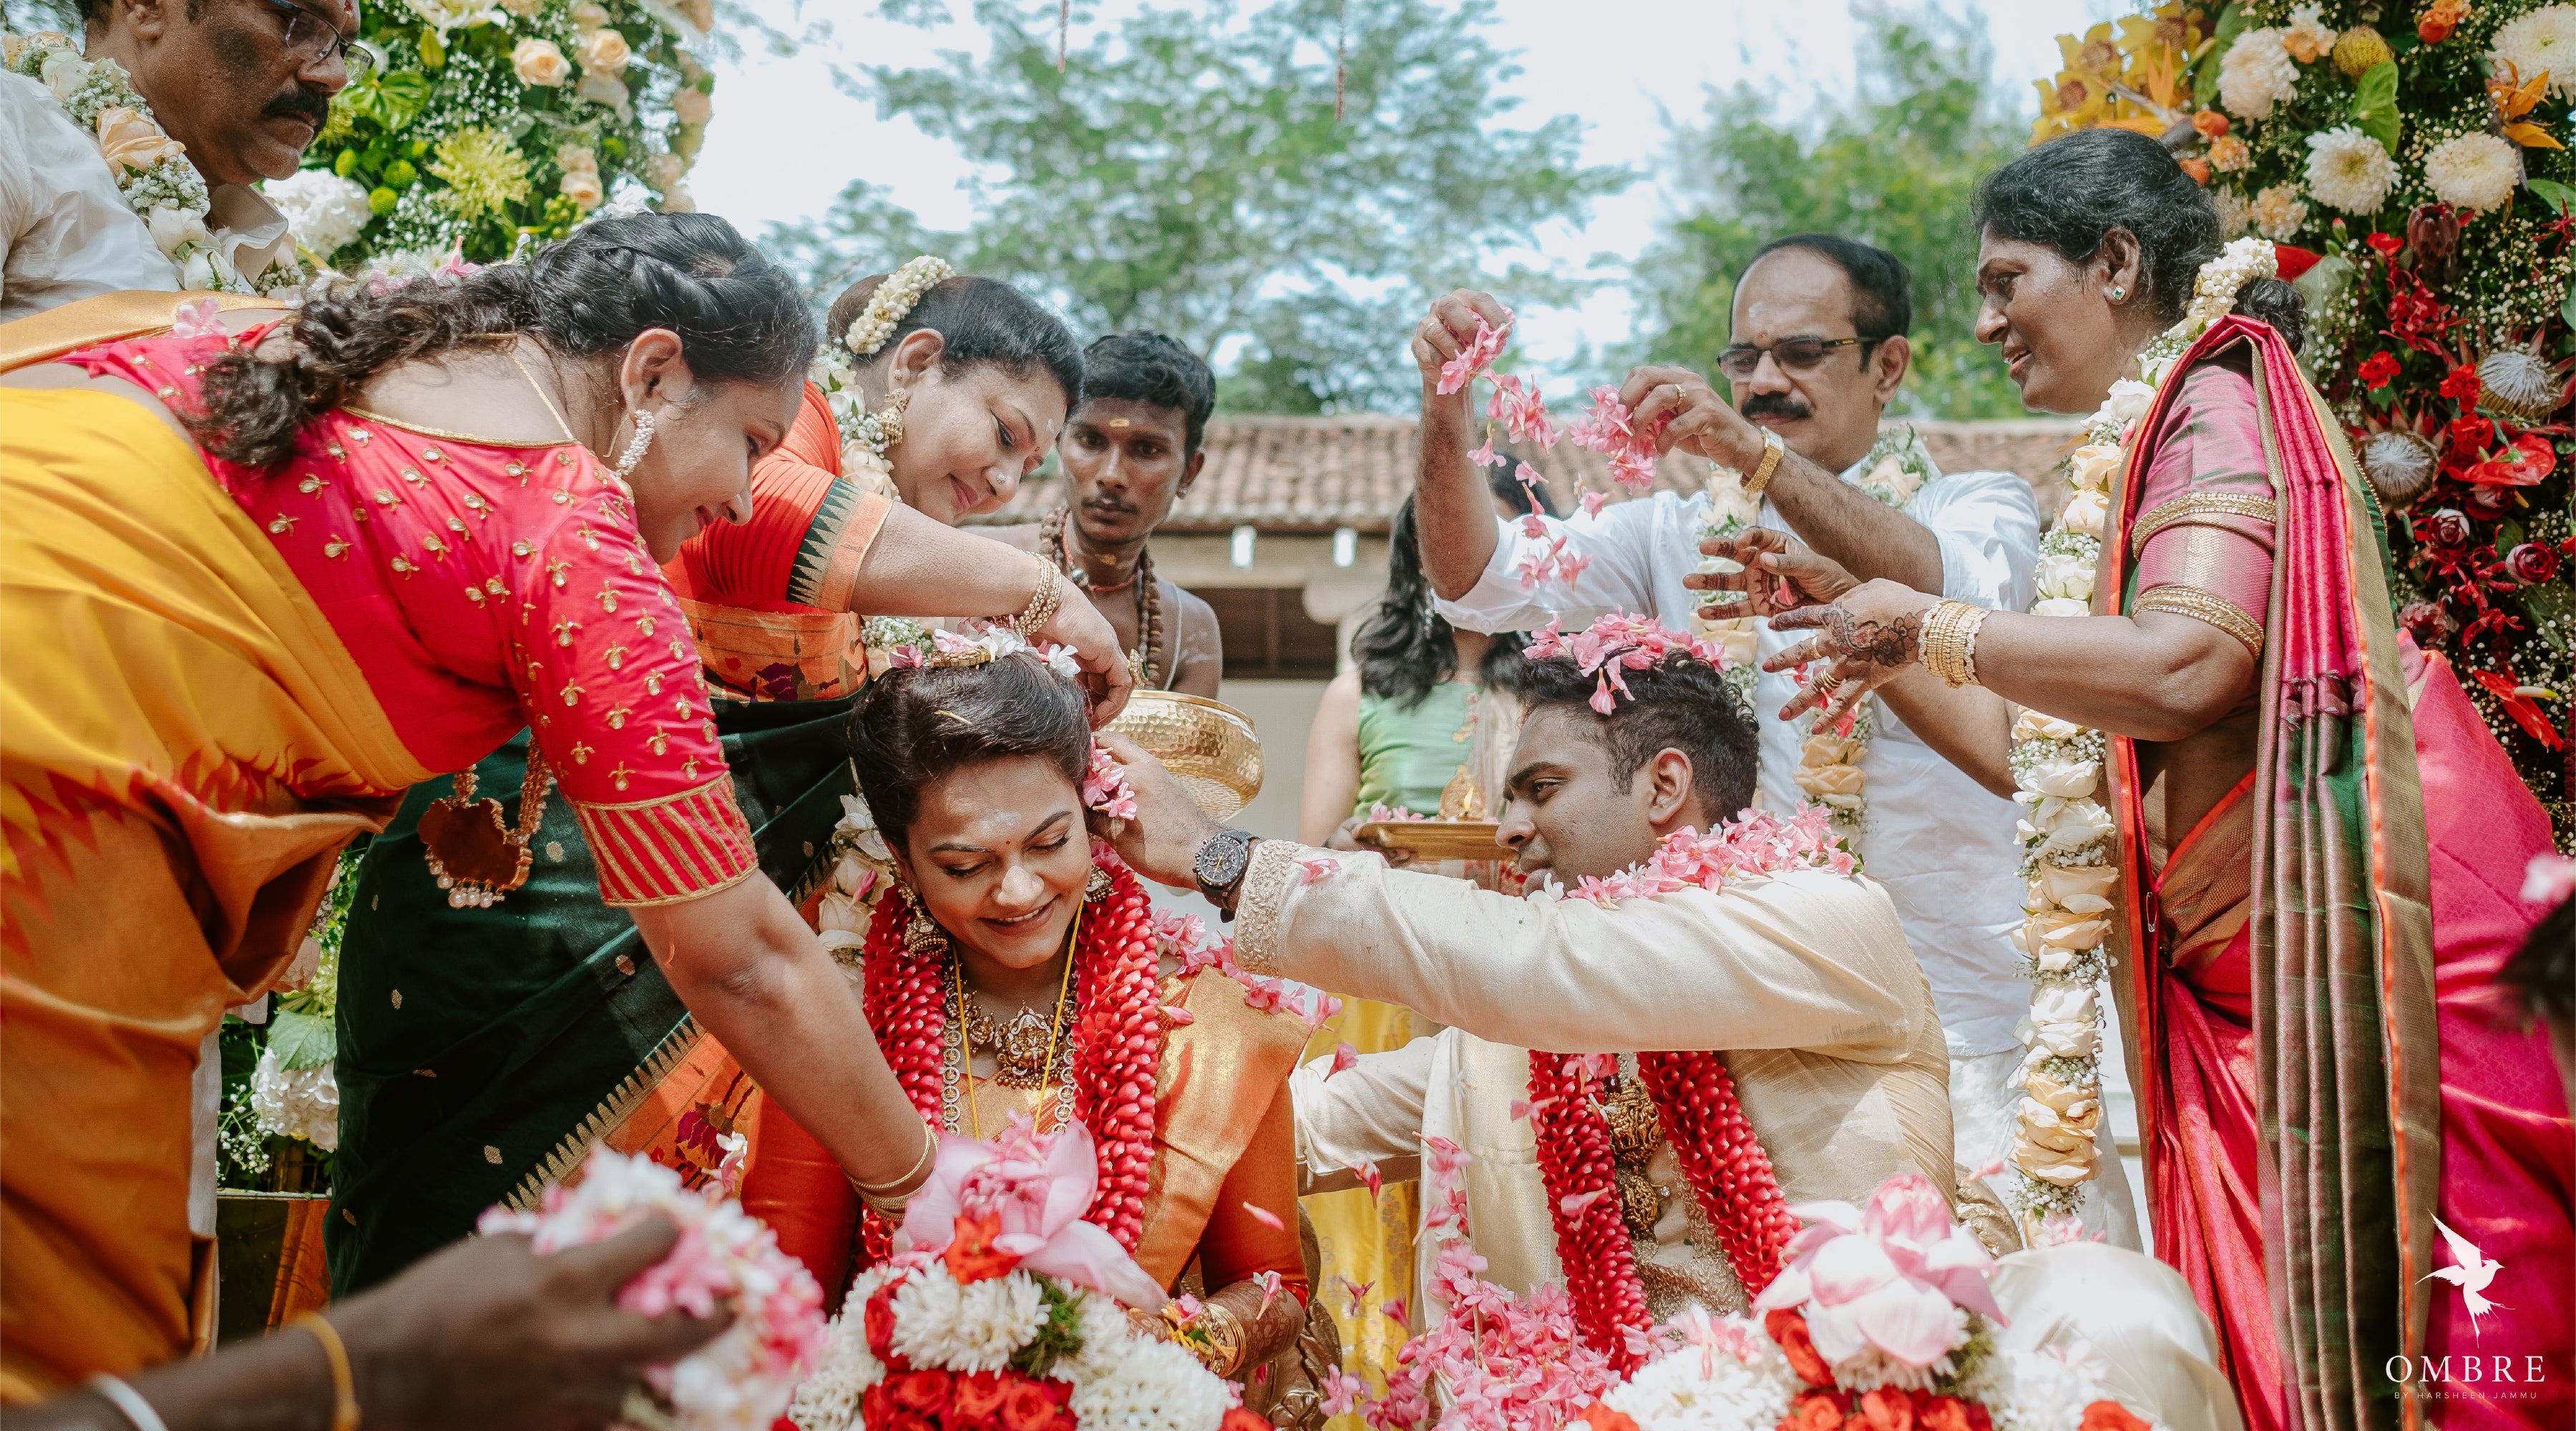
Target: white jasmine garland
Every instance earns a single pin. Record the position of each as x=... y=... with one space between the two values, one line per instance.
x=2257 y=73
x=1154 y=1386
x=1691 y=1389
x=2349 y=170
x=2476 y=171
x=2543 y=39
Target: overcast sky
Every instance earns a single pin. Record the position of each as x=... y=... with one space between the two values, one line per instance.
x=784 y=140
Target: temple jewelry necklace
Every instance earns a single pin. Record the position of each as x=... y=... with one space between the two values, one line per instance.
x=1009 y=1063
x=1149 y=598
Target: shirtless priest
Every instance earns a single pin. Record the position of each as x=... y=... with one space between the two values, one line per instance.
x=1758 y=943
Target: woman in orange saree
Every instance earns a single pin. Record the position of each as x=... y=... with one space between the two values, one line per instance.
x=253 y=589
x=1016 y=972
x=530 y=1032
x=2312 y=839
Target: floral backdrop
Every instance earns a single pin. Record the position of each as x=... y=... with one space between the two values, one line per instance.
x=2419 y=150
x=490 y=125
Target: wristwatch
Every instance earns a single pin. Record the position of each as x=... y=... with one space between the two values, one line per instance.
x=1219 y=868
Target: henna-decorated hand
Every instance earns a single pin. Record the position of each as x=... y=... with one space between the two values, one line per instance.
x=1779 y=573
x=1870 y=634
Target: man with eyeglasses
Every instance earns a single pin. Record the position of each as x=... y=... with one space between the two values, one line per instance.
x=1819 y=351
x=244 y=85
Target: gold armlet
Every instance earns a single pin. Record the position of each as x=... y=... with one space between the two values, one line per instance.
x=1950 y=642
x=2206 y=606
x=1771 y=453
x=2200 y=506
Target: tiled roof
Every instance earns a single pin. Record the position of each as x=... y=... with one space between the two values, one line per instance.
x=1313 y=474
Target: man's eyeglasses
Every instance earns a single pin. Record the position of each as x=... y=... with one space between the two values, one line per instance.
x=313 y=40
x=1794 y=355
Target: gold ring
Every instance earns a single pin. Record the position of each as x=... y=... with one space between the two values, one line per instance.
x=1828 y=682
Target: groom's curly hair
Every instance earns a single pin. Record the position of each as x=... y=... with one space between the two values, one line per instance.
x=1680 y=703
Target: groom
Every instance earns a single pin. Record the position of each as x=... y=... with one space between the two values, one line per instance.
x=1801 y=980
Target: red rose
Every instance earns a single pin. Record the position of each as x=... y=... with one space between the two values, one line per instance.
x=878 y=1322
x=2111 y=1416
x=1815 y=1411
x=907 y=1421
x=920 y=1390
x=1238 y=1419
x=2426 y=619
x=2447 y=529
x=978 y=1395
x=1026 y=1406
x=2436 y=24
x=971 y=1256
x=2197 y=168
x=2383 y=244
x=1602 y=1418
x=876 y=1405
x=1789 y=1329
x=2531 y=563
x=1942 y=1413
x=1887 y=1408
x=2377 y=369
x=2468 y=436
x=2461 y=384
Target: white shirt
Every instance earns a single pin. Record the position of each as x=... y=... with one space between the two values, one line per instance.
x=1942 y=844
x=66 y=232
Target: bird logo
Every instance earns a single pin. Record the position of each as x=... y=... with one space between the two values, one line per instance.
x=2470 y=1272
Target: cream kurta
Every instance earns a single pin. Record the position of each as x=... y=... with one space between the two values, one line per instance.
x=1804 y=982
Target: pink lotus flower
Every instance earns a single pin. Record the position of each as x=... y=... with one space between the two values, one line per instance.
x=1037 y=1185
x=1888 y=1276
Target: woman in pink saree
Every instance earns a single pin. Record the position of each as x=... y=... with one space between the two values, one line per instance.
x=2318 y=845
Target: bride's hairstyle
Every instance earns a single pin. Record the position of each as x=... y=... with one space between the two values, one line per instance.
x=2071 y=191
x=915 y=724
x=1679 y=703
x=980 y=322
x=739 y=318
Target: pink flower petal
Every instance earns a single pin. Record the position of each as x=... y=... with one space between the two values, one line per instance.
x=1265 y=1217
x=1577 y=1202
x=1174 y=1013
x=1318 y=869
x=1374 y=1179
x=1345 y=1058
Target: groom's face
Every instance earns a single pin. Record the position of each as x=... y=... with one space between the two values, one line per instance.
x=1567 y=813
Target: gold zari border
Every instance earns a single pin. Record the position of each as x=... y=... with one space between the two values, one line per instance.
x=2196 y=506
x=2206 y=606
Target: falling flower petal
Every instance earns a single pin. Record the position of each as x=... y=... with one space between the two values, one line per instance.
x=1346 y=1056
x=1577 y=1202
x=1372 y=1177
x=1265 y=1217
x=1174 y=1013
x=1318 y=869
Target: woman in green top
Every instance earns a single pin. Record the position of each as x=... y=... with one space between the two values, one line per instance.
x=1421 y=705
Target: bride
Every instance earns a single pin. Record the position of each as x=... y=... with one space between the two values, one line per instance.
x=1017 y=973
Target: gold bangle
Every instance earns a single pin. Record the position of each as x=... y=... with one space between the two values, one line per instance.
x=1042 y=602
x=344 y=1386
x=894 y=1189
x=1950 y=639
x=1771 y=453
x=1223 y=1330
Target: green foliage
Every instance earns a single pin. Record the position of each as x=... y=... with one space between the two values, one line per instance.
x=1185 y=172
x=1896 y=167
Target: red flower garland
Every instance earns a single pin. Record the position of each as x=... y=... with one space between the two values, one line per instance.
x=1694 y=1096
x=1117 y=1040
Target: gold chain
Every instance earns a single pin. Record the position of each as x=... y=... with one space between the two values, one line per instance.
x=968 y=1015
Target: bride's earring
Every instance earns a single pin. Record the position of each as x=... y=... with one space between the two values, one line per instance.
x=1097 y=887
x=637 y=445
x=923 y=938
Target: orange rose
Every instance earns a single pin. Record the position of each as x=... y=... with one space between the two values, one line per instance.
x=128 y=137
x=1602 y=1418
x=2209 y=123
x=1887 y=1408
x=1789 y=1329
x=1943 y=1413
x=2111 y=1416
x=1814 y=1411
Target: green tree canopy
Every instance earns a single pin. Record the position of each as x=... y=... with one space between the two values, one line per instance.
x=1894 y=166
x=1185 y=172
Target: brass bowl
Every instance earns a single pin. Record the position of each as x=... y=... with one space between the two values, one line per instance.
x=1211 y=747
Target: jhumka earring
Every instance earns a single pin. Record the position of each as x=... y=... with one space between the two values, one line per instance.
x=636 y=446
x=889 y=418
x=1097 y=887
x=923 y=938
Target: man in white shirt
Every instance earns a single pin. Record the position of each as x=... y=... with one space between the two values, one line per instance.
x=1819 y=351
x=244 y=85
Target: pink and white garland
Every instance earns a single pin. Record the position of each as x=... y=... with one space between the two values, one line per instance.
x=726 y=1261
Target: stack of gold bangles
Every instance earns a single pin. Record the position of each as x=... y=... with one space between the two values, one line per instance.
x=1219 y=1332
x=1042 y=602
x=886 y=1199
x=1950 y=641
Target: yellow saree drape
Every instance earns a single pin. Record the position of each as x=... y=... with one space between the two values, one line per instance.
x=185 y=744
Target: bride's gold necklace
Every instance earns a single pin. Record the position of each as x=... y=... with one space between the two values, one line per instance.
x=1028 y=1052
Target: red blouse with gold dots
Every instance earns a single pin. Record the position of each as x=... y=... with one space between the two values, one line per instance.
x=482 y=586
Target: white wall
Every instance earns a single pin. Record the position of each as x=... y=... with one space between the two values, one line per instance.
x=1281 y=713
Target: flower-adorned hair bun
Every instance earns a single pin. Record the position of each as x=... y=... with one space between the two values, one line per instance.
x=893 y=299
x=981 y=643
x=1617 y=644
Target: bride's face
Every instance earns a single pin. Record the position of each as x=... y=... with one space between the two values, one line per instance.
x=1000 y=857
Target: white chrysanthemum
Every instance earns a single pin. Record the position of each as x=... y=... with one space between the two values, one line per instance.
x=2257 y=73
x=2279 y=213
x=2349 y=170
x=998 y=1316
x=2473 y=171
x=296 y=1102
x=324 y=210
x=2308 y=39
x=2545 y=39
x=828 y=1400
x=2234 y=214
x=1154 y=1386
x=1692 y=1390
x=1105 y=1332
x=2036 y=1391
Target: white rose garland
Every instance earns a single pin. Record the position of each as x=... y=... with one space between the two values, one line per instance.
x=2067 y=832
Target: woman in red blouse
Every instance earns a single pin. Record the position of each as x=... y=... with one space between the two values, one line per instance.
x=254 y=588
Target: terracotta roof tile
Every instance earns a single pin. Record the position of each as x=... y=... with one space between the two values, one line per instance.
x=1313 y=474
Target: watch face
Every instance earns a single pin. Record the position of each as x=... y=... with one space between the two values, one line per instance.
x=1221 y=860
